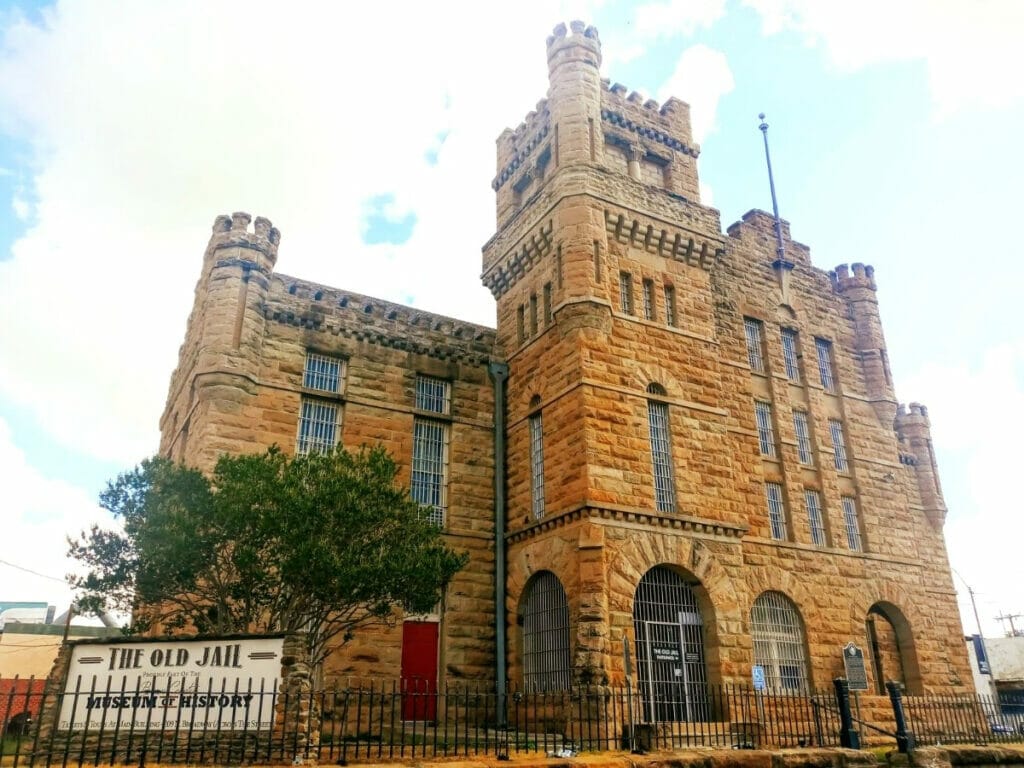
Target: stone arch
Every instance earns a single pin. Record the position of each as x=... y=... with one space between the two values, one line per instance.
x=543 y=615
x=891 y=652
x=647 y=373
x=896 y=606
x=771 y=578
x=715 y=592
x=779 y=635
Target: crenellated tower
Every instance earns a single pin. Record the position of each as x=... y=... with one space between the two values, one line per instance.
x=219 y=361
x=915 y=433
x=856 y=284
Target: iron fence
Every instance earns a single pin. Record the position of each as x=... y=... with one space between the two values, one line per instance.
x=366 y=721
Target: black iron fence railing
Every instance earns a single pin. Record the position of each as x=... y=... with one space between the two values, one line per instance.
x=85 y=722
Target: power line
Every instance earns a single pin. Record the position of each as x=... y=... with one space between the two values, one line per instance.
x=34 y=573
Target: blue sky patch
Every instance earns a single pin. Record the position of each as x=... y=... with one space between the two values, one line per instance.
x=383 y=224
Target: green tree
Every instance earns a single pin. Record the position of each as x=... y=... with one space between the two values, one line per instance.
x=323 y=543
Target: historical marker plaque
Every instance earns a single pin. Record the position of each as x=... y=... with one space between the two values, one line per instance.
x=853 y=662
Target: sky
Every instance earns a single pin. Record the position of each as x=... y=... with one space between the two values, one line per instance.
x=366 y=133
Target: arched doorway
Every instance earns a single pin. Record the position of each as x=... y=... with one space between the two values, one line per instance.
x=890 y=648
x=669 y=632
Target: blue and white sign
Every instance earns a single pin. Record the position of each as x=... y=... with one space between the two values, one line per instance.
x=758 y=675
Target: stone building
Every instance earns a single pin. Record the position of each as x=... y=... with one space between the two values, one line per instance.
x=694 y=432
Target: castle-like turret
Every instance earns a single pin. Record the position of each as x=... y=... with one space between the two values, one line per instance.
x=856 y=284
x=218 y=363
x=915 y=433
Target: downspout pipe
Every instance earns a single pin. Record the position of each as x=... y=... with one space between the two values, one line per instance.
x=499 y=375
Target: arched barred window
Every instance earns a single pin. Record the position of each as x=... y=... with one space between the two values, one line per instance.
x=545 y=614
x=779 y=642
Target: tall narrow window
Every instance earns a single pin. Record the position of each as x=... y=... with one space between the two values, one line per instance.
x=429 y=485
x=765 y=431
x=537 y=462
x=789 y=354
x=835 y=428
x=853 y=539
x=661 y=454
x=779 y=642
x=824 y=350
x=547 y=304
x=813 y=501
x=626 y=292
x=533 y=314
x=776 y=510
x=319 y=420
x=648 y=297
x=803 y=438
x=670 y=305
x=521 y=323
x=755 y=344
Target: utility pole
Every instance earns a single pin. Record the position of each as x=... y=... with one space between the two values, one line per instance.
x=1014 y=632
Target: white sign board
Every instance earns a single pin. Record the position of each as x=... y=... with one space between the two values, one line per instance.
x=173 y=685
x=757 y=672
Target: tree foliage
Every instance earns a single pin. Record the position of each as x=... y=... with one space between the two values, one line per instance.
x=323 y=543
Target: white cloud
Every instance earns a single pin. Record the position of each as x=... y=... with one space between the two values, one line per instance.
x=972 y=51
x=147 y=120
x=677 y=17
x=977 y=416
x=704 y=76
x=39 y=513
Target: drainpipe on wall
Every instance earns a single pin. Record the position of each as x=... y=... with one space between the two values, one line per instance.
x=499 y=374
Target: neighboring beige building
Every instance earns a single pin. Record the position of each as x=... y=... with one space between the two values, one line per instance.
x=702 y=448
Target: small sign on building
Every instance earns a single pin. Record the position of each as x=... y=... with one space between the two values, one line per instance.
x=856 y=673
x=757 y=673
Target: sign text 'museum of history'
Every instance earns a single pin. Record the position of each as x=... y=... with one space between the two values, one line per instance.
x=168 y=685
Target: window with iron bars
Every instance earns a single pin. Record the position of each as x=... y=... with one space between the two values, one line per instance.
x=765 y=430
x=824 y=351
x=324 y=373
x=776 y=510
x=547 y=304
x=755 y=344
x=626 y=292
x=318 y=426
x=852 y=522
x=812 y=499
x=661 y=452
x=537 y=464
x=835 y=428
x=648 y=298
x=546 y=649
x=429 y=485
x=779 y=642
x=803 y=438
x=789 y=354
x=670 y=306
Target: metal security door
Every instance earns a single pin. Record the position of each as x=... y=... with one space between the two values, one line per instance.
x=670 y=649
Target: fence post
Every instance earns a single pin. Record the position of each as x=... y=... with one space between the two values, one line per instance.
x=904 y=738
x=848 y=736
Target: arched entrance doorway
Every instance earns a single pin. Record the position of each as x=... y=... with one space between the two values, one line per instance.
x=669 y=632
x=891 y=648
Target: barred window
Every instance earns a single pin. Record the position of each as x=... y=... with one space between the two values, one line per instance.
x=533 y=314
x=318 y=426
x=626 y=292
x=803 y=438
x=824 y=350
x=853 y=539
x=521 y=323
x=433 y=394
x=765 y=431
x=670 y=305
x=835 y=428
x=779 y=642
x=755 y=344
x=661 y=453
x=537 y=464
x=813 y=501
x=324 y=373
x=648 y=297
x=776 y=510
x=547 y=304
x=430 y=467
x=789 y=354
x=546 y=653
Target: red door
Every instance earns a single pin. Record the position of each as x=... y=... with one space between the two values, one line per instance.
x=419 y=670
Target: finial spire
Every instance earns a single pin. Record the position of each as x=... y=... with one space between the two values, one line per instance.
x=781 y=265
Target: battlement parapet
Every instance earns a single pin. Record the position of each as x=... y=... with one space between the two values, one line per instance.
x=667 y=124
x=643 y=233
x=330 y=310
x=857 y=275
x=583 y=37
x=516 y=147
x=915 y=413
x=234 y=232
